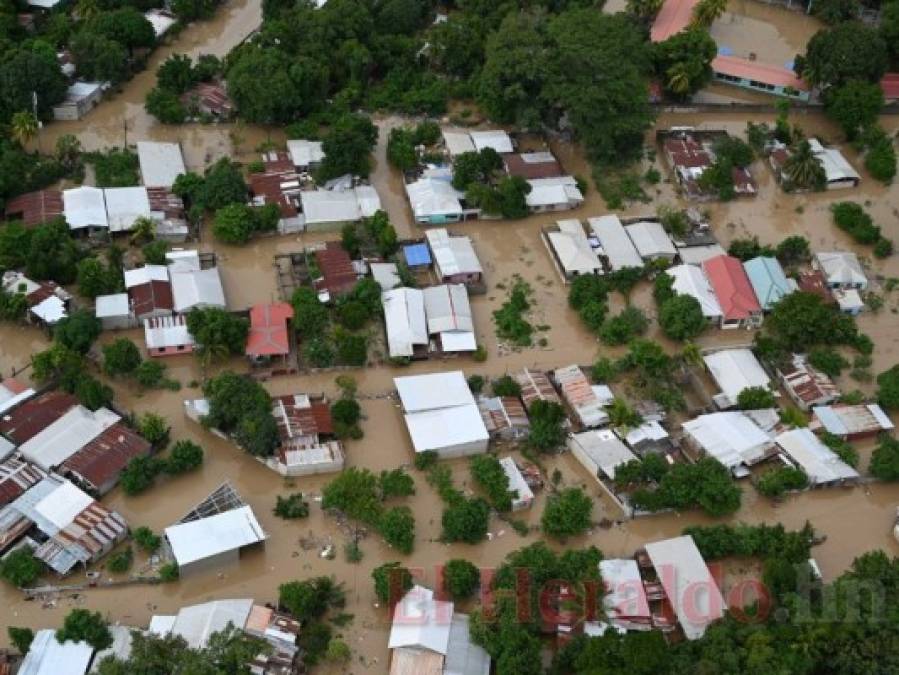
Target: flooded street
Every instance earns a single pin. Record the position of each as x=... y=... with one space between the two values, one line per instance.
x=854 y=519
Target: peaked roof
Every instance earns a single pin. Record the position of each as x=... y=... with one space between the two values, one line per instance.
x=732 y=287
x=674 y=17
x=768 y=280
x=690 y=280
x=268 y=330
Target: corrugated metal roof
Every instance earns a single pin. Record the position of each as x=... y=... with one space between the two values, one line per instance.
x=732 y=288
x=616 y=244
x=453 y=254
x=730 y=437
x=48 y=656
x=160 y=163
x=268 y=330
x=735 y=370
x=578 y=393
x=818 y=461
x=768 y=280
x=30 y=418
x=207 y=537
x=67 y=435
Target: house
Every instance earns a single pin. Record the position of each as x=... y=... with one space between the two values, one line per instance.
x=739 y=306
x=571 y=250
x=160 y=163
x=427 y=637
x=673 y=17
x=35 y=208
x=441 y=414
x=338 y=276
x=281 y=188
x=65 y=434
x=325 y=210
x=214 y=534
x=651 y=241
x=838 y=171
x=449 y=318
x=535 y=386
x=849 y=301
x=149 y=291
x=530 y=165
x=47 y=302
x=617 y=246
x=16 y=477
x=813 y=282
x=405 y=323
x=307 y=442
x=807 y=386
x=98 y=465
x=690 y=153
x=768 y=281
x=168 y=335
x=454 y=258
x=497 y=139
x=691 y=591
x=650 y=437
x=696 y=255
x=890 y=86
x=850 y=422
x=841 y=270
x=559 y=193
x=12 y=393
x=457 y=142
x=386 y=274
x=757 y=76
x=733 y=371
x=821 y=464
x=85 y=208
x=193 y=286
x=269 y=334
x=67 y=524
x=624 y=603
x=504 y=417
x=49 y=656
x=114 y=311
x=730 y=437
x=580 y=396
x=524 y=496
x=22 y=422
x=305 y=155
x=81 y=98
x=435 y=201
x=161 y=20
x=210 y=99
x=691 y=280
x=601 y=452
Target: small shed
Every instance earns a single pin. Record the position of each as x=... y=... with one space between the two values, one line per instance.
x=114 y=312
x=651 y=240
x=524 y=496
x=215 y=540
x=417 y=255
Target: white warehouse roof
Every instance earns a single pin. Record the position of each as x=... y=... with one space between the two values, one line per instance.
x=124 y=205
x=207 y=537
x=433 y=391
x=61 y=439
x=730 y=437
x=457 y=142
x=552 y=191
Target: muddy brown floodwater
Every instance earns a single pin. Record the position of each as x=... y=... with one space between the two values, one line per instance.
x=854 y=519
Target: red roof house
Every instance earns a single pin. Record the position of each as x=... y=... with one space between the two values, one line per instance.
x=674 y=17
x=268 y=334
x=26 y=421
x=98 y=465
x=890 y=86
x=728 y=279
x=34 y=208
x=338 y=275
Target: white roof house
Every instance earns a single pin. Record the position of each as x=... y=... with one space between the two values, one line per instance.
x=160 y=20
x=215 y=537
x=166 y=332
x=144 y=275
x=441 y=414
x=733 y=371
x=730 y=437
x=691 y=280
x=837 y=169
x=114 y=311
x=616 y=244
x=48 y=656
x=600 y=451
x=327 y=207
x=160 y=163
x=11 y=395
x=197 y=288
x=452 y=255
x=386 y=274
x=84 y=207
x=553 y=194
x=197 y=623
x=305 y=153
x=820 y=463
x=448 y=315
x=524 y=495
x=61 y=439
x=580 y=396
x=124 y=205
x=497 y=139
x=841 y=269
x=572 y=249
x=404 y=319
x=457 y=142
x=433 y=198
x=688 y=583
x=696 y=255
x=625 y=600
x=651 y=240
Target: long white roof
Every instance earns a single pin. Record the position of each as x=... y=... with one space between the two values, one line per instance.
x=820 y=463
x=67 y=435
x=447 y=309
x=144 y=275
x=453 y=255
x=688 y=583
x=735 y=370
x=197 y=623
x=433 y=197
x=605 y=449
x=167 y=331
x=446 y=427
x=691 y=280
x=124 y=205
x=552 y=191
x=730 y=437
x=208 y=537
x=160 y=163
x=457 y=142
x=836 y=167
x=404 y=317
x=517 y=483
x=625 y=595
x=497 y=139
x=304 y=153
x=464 y=657
x=63 y=505
x=616 y=244
x=339 y=206
x=421 y=621
x=48 y=656
x=651 y=239
x=197 y=288
x=433 y=391
x=573 y=248
x=84 y=206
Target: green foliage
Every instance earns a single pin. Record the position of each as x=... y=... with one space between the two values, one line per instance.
x=827 y=360
x=121 y=357
x=883 y=248
x=803 y=170
x=185 y=456
x=146 y=540
x=313 y=641
x=155 y=429
x=83 y=625
x=115 y=168
x=475 y=383
x=121 y=562
x=223 y=184
x=888 y=388
x=854 y=105
x=77 y=331
x=353 y=552
x=681 y=318
x=683 y=61
x=622 y=415
x=746 y=249
x=169 y=572
x=752 y=541
x=310 y=315
x=355 y=492
x=351 y=349
x=852 y=218
x=397 y=526
x=793 y=250
x=395 y=483
x=510 y=319
x=21 y=568
x=460 y=578
x=505 y=386
x=151 y=374
x=291 y=507
x=880 y=158
x=567 y=513
x=425 y=460
x=21 y=638
x=139 y=474
x=490 y=475
x=803 y=320
x=392 y=581
x=706 y=484
x=547 y=431
x=347 y=146
x=775 y=482
x=241 y=406
x=95 y=278
x=841 y=447
x=755 y=398
x=650 y=469
x=624 y=327
x=237 y=223
x=885 y=459
x=217 y=331
x=834 y=12
x=846 y=52
x=604 y=370
x=465 y=520
x=312 y=598
x=338 y=651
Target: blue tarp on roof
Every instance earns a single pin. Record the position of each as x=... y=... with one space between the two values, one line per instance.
x=417 y=255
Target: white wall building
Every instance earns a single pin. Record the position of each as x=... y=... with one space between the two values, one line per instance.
x=617 y=246
x=733 y=371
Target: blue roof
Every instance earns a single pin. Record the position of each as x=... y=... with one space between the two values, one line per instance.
x=768 y=280
x=417 y=254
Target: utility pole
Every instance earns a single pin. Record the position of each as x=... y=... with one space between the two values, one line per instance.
x=36 y=119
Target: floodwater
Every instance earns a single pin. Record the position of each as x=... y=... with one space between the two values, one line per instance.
x=854 y=520
x=772 y=32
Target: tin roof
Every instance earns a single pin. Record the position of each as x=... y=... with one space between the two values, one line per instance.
x=732 y=287
x=336 y=267
x=850 y=420
x=34 y=208
x=105 y=457
x=268 y=334
x=532 y=165
x=766 y=73
x=535 y=386
x=29 y=419
x=808 y=384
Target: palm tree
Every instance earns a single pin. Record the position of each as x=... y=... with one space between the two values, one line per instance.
x=87 y=9
x=691 y=354
x=23 y=126
x=803 y=169
x=142 y=231
x=679 y=79
x=706 y=11
x=645 y=9
x=210 y=354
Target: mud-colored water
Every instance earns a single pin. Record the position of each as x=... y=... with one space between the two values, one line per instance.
x=771 y=32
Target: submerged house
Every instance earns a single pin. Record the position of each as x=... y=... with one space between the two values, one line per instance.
x=405 y=323
x=571 y=250
x=821 y=464
x=766 y=78
x=730 y=437
x=504 y=417
x=768 y=281
x=739 y=306
x=455 y=260
x=449 y=318
x=733 y=371
x=308 y=444
x=807 y=386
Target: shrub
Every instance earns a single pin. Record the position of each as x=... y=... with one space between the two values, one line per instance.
x=547 y=426
x=83 y=625
x=21 y=568
x=775 y=482
x=185 y=456
x=425 y=460
x=755 y=398
x=885 y=459
x=355 y=492
x=851 y=218
x=466 y=520
x=21 y=638
x=681 y=318
x=827 y=360
x=397 y=526
x=121 y=357
x=291 y=507
x=883 y=248
x=155 y=429
x=460 y=578
x=476 y=383
x=624 y=327
x=146 y=540
x=121 y=562
x=392 y=581
x=489 y=474
x=311 y=598
x=567 y=513
x=396 y=483
x=505 y=386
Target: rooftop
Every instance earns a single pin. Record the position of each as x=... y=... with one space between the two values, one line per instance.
x=604 y=449
x=768 y=280
x=303 y=152
x=616 y=244
x=820 y=463
x=766 y=73
x=673 y=17
x=268 y=334
x=730 y=437
x=850 y=420
x=691 y=280
x=735 y=370
x=404 y=318
x=529 y=165
x=48 y=656
x=160 y=163
x=65 y=436
x=452 y=254
x=33 y=416
x=732 y=288
x=207 y=537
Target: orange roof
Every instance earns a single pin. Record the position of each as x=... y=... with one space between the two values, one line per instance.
x=674 y=17
x=760 y=72
x=732 y=287
x=268 y=330
x=890 y=86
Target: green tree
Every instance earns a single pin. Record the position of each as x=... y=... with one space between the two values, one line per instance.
x=24 y=72
x=355 y=492
x=234 y=223
x=218 y=331
x=834 y=12
x=83 y=625
x=185 y=456
x=848 y=51
x=139 y=475
x=624 y=327
x=854 y=106
x=21 y=568
x=395 y=483
x=146 y=540
x=121 y=562
x=311 y=598
x=803 y=170
x=397 y=526
x=95 y=278
x=338 y=651
x=291 y=507
x=681 y=318
x=644 y=9
x=121 y=357
x=127 y=26
x=310 y=315
x=547 y=426
x=347 y=146
x=176 y=73
x=392 y=581
x=567 y=514
x=223 y=185
x=885 y=459
x=707 y=11
x=793 y=250
x=401 y=149
x=23 y=127
x=166 y=106
x=888 y=388
x=755 y=398
x=683 y=61
x=52 y=254
x=97 y=57
x=77 y=331
x=466 y=520
x=460 y=578
x=20 y=638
